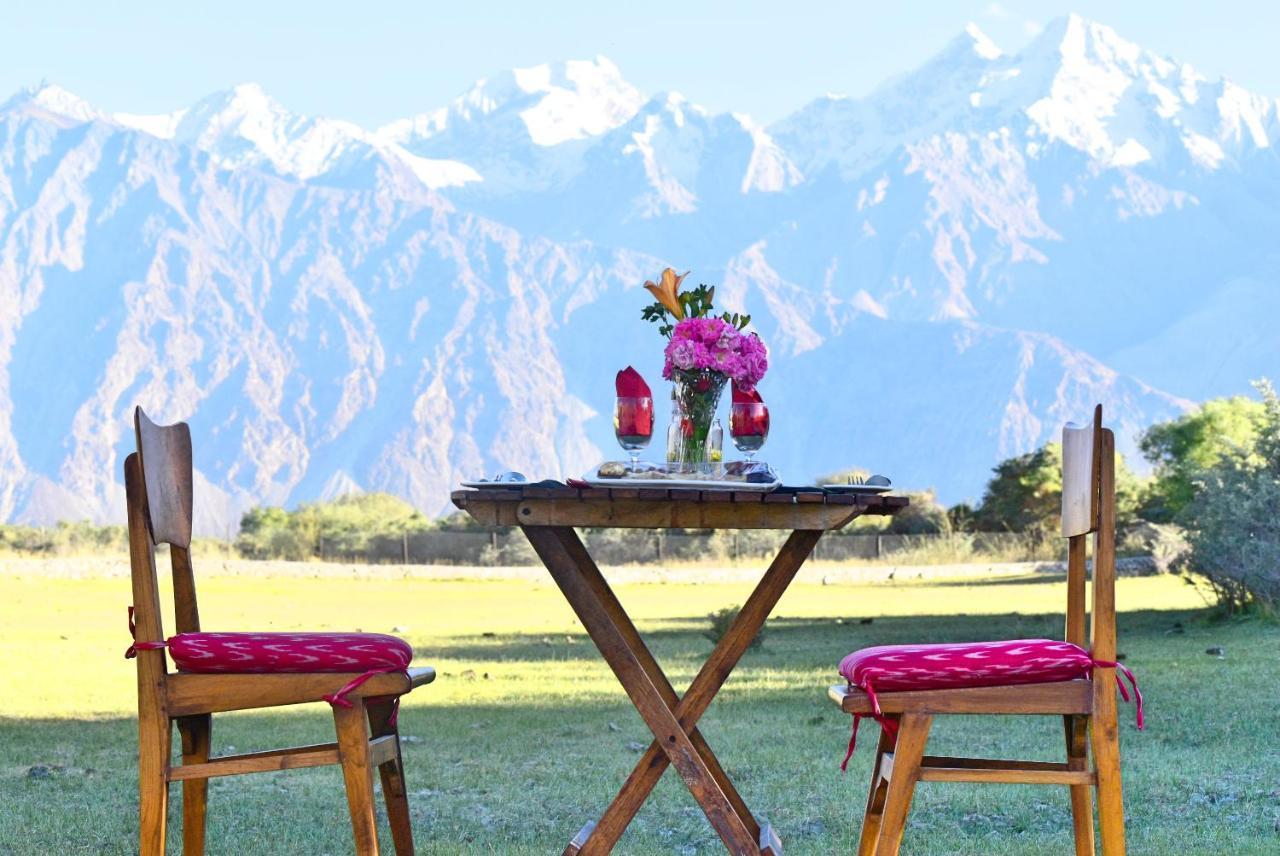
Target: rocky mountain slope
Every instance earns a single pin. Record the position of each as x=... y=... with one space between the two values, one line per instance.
x=944 y=271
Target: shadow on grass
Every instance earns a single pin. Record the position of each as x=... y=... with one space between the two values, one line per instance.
x=522 y=772
x=811 y=639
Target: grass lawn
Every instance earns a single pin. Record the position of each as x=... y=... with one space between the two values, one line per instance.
x=525 y=735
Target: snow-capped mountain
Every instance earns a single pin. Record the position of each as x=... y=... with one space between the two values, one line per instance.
x=523 y=129
x=944 y=270
x=244 y=127
x=1078 y=83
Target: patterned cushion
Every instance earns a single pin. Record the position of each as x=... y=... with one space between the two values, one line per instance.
x=897 y=668
x=288 y=652
x=890 y=668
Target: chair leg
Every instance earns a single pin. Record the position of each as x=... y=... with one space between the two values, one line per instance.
x=196 y=732
x=875 y=798
x=393 y=787
x=1077 y=734
x=1106 y=758
x=155 y=736
x=913 y=733
x=353 y=748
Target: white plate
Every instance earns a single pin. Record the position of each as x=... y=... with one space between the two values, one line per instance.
x=489 y=484
x=858 y=488
x=672 y=483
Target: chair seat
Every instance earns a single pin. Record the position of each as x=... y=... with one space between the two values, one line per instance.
x=191 y=693
x=1056 y=697
x=256 y=653
x=899 y=668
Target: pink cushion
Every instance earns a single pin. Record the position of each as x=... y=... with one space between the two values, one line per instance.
x=890 y=668
x=288 y=652
x=897 y=668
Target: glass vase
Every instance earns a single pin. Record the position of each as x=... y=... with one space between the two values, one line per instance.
x=697 y=395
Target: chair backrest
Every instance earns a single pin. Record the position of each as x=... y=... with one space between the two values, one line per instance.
x=158 y=488
x=165 y=453
x=1089 y=507
x=1081 y=459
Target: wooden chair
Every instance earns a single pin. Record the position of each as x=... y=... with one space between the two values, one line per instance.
x=158 y=486
x=1087 y=705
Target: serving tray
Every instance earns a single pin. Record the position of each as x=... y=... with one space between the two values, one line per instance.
x=673 y=480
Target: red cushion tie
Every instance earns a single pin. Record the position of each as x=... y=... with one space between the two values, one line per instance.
x=853 y=743
x=132 y=650
x=394 y=701
x=1124 y=694
x=889 y=725
x=339 y=699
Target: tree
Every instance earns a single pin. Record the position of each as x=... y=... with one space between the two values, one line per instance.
x=1234 y=516
x=963 y=517
x=1185 y=448
x=924 y=516
x=1025 y=493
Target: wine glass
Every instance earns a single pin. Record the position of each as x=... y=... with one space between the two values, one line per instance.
x=749 y=426
x=633 y=425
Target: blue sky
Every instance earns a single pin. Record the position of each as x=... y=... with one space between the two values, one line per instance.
x=374 y=62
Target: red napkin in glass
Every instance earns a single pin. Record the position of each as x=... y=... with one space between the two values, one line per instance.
x=740 y=397
x=634 y=418
x=631 y=385
x=748 y=421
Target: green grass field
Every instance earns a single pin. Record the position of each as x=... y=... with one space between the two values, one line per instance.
x=525 y=735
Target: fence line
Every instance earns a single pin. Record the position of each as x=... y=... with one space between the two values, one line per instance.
x=642 y=546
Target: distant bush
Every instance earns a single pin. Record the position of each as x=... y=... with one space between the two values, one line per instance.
x=1234 y=517
x=64 y=539
x=722 y=619
x=1184 y=448
x=83 y=538
x=924 y=516
x=1025 y=494
x=963 y=517
x=1165 y=543
x=353 y=526
x=513 y=551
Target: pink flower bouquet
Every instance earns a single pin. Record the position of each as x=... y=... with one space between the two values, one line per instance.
x=716 y=345
x=703 y=352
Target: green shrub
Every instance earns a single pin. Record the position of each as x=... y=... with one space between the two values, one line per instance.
x=1025 y=494
x=722 y=619
x=1184 y=448
x=1234 y=517
x=356 y=526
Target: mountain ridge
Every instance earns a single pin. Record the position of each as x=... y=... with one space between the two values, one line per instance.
x=396 y=309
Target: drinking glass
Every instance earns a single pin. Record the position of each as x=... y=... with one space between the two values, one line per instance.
x=749 y=426
x=633 y=425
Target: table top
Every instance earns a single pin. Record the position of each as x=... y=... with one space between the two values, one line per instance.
x=674 y=508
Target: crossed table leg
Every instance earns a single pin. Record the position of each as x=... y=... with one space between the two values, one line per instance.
x=672 y=719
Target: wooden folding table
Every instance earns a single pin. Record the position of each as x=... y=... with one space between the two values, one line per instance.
x=548 y=515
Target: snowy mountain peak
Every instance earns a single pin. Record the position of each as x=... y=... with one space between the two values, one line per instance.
x=51 y=98
x=245 y=127
x=980 y=43
x=551 y=103
x=1078 y=83
x=578 y=99
x=1077 y=39
x=1125 y=105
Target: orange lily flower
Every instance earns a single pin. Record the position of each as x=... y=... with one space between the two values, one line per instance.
x=668 y=293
